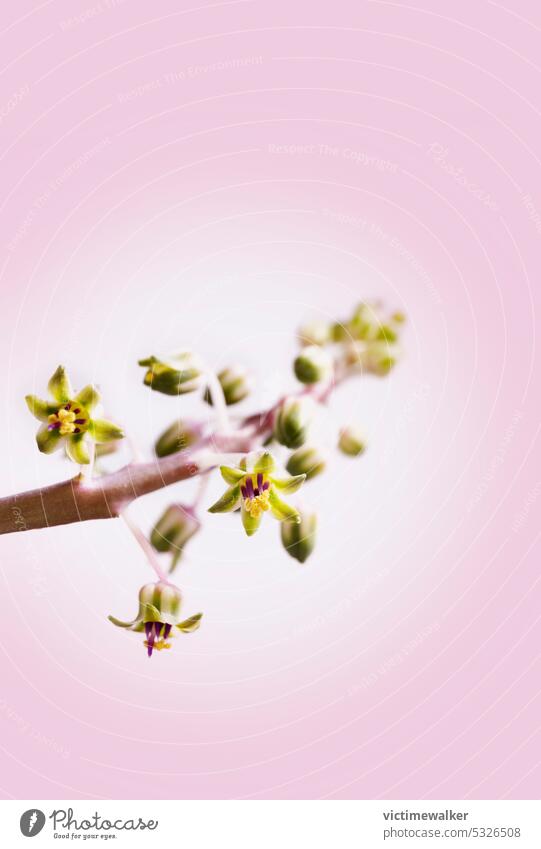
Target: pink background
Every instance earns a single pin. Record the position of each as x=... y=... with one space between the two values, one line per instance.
x=146 y=207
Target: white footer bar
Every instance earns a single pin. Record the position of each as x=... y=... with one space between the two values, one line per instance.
x=273 y=824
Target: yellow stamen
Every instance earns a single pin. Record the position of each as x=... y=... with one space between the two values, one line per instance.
x=258 y=504
x=158 y=645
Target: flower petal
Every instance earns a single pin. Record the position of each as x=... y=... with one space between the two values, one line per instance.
x=120 y=624
x=228 y=502
x=77 y=449
x=149 y=613
x=231 y=475
x=40 y=409
x=48 y=440
x=282 y=511
x=264 y=463
x=104 y=431
x=289 y=485
x=250 y=523
x=88 y=397
x=191 y=624
x=60 y=386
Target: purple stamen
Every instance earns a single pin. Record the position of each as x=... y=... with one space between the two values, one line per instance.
x=78 y=410
x=250 y=487
x=77 y=430
x=54 y=426
x=266 y=486
x=167 y=631
x=150 y=637
x=259 y=480
x=67 y=407
x=158 y=628
x=80 y=421
x=244 y=491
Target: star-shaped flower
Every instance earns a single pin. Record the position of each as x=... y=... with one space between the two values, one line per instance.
x=254 y=489
x=67 y=419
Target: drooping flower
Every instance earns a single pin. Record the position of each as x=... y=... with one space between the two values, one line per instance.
x=67 y=419
x=159 y=616
x=254 y=488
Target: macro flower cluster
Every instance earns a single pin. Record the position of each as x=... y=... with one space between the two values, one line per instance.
x=272 y=452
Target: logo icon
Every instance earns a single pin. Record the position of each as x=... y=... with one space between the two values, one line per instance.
x=32 y=822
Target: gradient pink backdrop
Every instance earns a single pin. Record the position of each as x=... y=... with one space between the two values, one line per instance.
x=145 y=206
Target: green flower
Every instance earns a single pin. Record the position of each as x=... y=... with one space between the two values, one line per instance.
x=67 y=419
x=255 y=490
x=236 y=385
x=159 y=613
x=175 y=375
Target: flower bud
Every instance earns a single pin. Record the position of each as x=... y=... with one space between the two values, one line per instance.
x=376 y=358
x=306 y=461
x=176 y=375
x=351 y=441
x=178 y=436
x=379 y=358
x=299 y=538
x=313 y=364
x=291 y=422
x=314 y=333
x=173 y=530
x=235 y=383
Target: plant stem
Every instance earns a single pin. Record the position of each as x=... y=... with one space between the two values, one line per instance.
x=151 y=555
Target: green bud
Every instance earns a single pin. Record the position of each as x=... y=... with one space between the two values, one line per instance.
x=291 y=422
x=173 y=530
x=235 y=385
x=176 y=375
x=379 y=358
x=351 y=441
x=299 y=538
x=376 y=358
x=313 y=364
x=315 y=333
x=306 y=461
x=178 y=436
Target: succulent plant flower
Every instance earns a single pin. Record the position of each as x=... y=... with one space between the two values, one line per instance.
x=67 y=419
x=254 y=488
x=159 y=616
x=177 y=374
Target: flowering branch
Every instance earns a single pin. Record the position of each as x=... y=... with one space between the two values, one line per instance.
x=242 y=447
x=78 y=499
